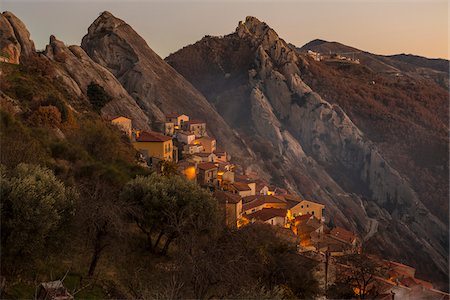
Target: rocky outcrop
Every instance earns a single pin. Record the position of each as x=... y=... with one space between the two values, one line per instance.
x=77 y=70
x=14 y=38
x=151 y=81
x=321 y=152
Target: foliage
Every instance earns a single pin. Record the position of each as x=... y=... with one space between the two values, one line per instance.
x=14 y=136
x=97 y=96
x=34 y=206
x=172 y=206
x=46 y=116
x=167 y=168
x=102 y=141
x=59 y=104
x=252 y=259
x=360 y=276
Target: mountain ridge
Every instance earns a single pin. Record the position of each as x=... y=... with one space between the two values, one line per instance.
x=289 y=115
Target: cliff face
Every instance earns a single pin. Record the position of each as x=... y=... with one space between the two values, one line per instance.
x=154 y=85
x=321 y=153
x=77 y=70
x=14 y=38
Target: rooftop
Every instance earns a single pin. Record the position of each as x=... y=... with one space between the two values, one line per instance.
x=151 y=136
x=250 y=202
x=266 y=214
x=206 y=166
x=202 y=154
x=342 y=234
x=227 y=197
x=241 y=186
x=195 y=122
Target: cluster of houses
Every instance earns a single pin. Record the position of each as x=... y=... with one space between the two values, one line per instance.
x=333 y=57
x=243 y=198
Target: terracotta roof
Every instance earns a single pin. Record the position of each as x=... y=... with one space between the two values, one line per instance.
x=303 y=218
x=206 y=166
x=190 y=122
x=241 y=186
x=316 y=203
x=343 y=235
x=242 y=178
x=313 y=222
x=267 y=214
x=151 y=136
x=408 y=282
x=424 y=283
x=250 y=202
x=227 y=197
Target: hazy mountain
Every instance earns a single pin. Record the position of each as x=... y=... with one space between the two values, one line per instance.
x=401 y=64
x=263 y=87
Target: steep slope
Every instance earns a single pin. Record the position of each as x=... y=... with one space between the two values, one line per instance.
x=71 y=66
x=150 y=80
x=406 y=114
x=310 y=144
x=75 y=68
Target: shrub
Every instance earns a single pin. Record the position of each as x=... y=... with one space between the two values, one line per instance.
x=97 y=96
x=46 y=116
x=34 y=203
x=59 y=104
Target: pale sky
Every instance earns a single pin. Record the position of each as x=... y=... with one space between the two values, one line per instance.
x=379 y=26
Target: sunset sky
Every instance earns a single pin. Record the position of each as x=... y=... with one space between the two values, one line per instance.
x=383 y=27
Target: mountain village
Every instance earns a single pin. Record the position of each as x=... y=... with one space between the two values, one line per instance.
x=244 y=198
x=182 y=145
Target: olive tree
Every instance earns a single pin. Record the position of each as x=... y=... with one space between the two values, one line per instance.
x=34 y=205
x=169 y=207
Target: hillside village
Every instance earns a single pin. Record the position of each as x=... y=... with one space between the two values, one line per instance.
x=245 y=198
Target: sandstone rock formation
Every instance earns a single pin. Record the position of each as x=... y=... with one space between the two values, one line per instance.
x=319 y=150
x=77 y=70
x=14 y=39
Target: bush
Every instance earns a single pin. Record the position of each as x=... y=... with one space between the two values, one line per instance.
x=34 y=204
x=97 y=96
x=59 y=104
x=46 y=116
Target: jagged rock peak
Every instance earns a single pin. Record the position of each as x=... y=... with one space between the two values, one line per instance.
x=256 y=29
x=16 y=30
x=106 y=21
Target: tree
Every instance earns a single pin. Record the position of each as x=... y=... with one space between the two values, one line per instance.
x=102 y=219
x=238 y=263
x=360 y=275
x=34 y=205
x=167 y=168
x=97 y=96
x=170 y=206
x=59 y=104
